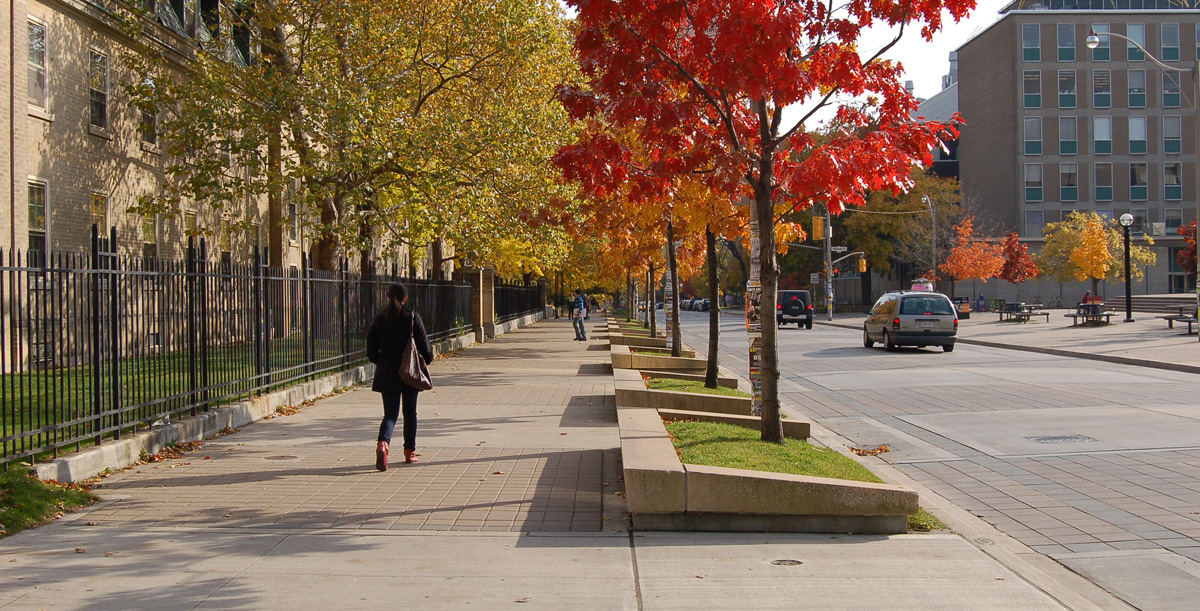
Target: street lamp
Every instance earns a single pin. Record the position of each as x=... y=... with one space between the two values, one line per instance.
x=1127 y=221
x=1093 y=41
x=932 y=239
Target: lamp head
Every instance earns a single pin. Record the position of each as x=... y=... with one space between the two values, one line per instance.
x=1126 y=220
x=1092 y=41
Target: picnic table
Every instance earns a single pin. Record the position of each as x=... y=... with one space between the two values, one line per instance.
x=1022 y=312
x=1186 y=314
x=1090 y=312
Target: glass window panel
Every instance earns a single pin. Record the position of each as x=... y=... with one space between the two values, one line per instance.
x=1101 y=81
x=1137 y=81
x=1172 y=127
x=37 y=206
x=98 y=89
x=1033 y=175
x=1068 y=174
x=1137 y=128
x=1068 y=128
x=1173 y=174
x=1174 y=219
x=1101 y=52
x=1033 y=82
x=1136 y=32
x=1034 y=223
x=1102 y=127
x=1031 y=42
x=1033 y=128
x=37 y=64
x=1104 y=176
x=1170 y=42
x=1066 y=42
x=1066 y=81
x=1138 y=175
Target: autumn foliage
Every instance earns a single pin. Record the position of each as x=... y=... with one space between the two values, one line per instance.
x=1018 y=265
x=1186 y=258
x=971 y=257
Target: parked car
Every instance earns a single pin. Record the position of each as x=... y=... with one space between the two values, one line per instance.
x=705 y=304
x=794 y=306
x=660 y=305
x=911 y=319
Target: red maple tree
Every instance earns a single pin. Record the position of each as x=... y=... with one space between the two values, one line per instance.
x=1186 y=257
x=704 y=83
x=1018 y=265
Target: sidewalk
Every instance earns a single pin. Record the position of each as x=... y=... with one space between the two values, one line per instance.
x=516 y=501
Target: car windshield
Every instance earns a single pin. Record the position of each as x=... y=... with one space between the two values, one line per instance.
x=926 y=305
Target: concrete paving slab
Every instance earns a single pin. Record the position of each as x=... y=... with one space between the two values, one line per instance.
x=678 y=571
x=867 y=432
x=1154 y=580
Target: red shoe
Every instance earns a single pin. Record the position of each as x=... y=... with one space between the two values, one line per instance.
x=381 y=456
x=410 y=456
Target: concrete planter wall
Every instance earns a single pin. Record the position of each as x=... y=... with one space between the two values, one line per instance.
x=694 y=377
x=622 y=358
x=666 y=494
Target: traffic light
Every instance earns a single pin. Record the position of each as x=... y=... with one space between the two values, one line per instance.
x=862 y=265
x=818 y=232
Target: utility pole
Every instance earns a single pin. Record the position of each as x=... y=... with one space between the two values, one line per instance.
x=828 y=265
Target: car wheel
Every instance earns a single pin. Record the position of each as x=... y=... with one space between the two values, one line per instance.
x=948 y=348
x=887 y=342
x=867 y=341
x=808 y=325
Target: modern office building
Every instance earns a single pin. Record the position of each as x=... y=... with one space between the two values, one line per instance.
x=1053 y=126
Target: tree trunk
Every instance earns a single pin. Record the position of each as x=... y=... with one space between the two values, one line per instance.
x=632 y=296
x=763 y=184
x=714 y=310
x=326 y=247
x=650 y=309
x=676 y=350
x=438 y=258
x=735 y=250
x=275 y=197
x=1095 y=287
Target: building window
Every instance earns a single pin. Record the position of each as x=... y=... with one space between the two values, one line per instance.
x=1137 y=88
x=1068 y=182
x=38 y=224
x=1179 y=281
x=98 y=89
x=37 y=65
x=1137 y=135
x=1171 y=94
x=1173 y=181
x=1102 y=132
x=1033 y=182
x=1101 y=89
x=1139 y=184
x=1035 y=222
x=293 y=223
x=1173 y=219
x=1066 y=42
x=98 y=206
x=1172 y=134
x=1066 y=89
x=1170 y=42
x=1033 y=88
x=1068 y=136
x=1031 y=42
x=1101 y=52
x=190 y=228
x=1104 y=182
x=1141 y=221
x=149 y=237
x=1033 y=135
x=1106 y=215
x=1136 y=32
x=148 y=128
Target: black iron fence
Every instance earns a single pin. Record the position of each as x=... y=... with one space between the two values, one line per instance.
x=513 y=301
x=96 y=346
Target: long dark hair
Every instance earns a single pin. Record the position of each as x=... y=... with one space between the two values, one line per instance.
x=396 y=294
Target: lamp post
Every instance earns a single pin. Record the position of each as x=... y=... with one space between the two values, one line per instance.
x=1127 y=221
x=1093 y=41
x=932 y=239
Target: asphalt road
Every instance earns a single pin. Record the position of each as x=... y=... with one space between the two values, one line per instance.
x=1095 y=465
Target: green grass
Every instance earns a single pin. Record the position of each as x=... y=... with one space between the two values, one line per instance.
x=925 y=521
x=692 y=386
x=26 y=502
x=654 y=352
x=726 y=445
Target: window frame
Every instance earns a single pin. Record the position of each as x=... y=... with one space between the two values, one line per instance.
x=44 y=232
x=1034 y=194
x=1065 y=146
x=1171 y=99
x=104 y=216
x=1066 y=53
x=1168 y=53
x=1041 y=233
x=1071 y=99
x=1172 y=146
x=43 y=69
x=1132 y=53
x=1139 y=146
x=1141 y=221
x=1103 y=192
x=1101 y=147
x=1031 y=101
x=1107 y=101
x=1172 y=214
x=1034 y=53
x=1173 y=192
x=1142 y=192
x=1136 y=97
x=1068 y=192
x=93 y=52
x=1033 y=147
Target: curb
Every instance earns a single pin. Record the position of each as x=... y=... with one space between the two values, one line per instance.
x=1119 y=360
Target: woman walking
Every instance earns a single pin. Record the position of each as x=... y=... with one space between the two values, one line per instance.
x=387 y=339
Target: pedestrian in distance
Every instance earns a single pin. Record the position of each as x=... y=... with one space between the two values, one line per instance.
x=387 y=338
x=578 y=313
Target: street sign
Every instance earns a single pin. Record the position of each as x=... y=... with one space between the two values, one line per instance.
x=838 y=248
x=814 y=278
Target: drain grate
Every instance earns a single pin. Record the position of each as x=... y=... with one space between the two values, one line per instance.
x=786 y=562
x=1057 y=439
x=280 y=457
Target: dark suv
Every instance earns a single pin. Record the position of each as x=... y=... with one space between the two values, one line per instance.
x=794 y=306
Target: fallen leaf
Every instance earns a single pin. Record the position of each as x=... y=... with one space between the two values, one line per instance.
x=92 y=523
x=109 y=554
x=497 y=472
x=79 y=550
x=701 y=576
x=876 y=451
x=562 y=433
x=522 y=600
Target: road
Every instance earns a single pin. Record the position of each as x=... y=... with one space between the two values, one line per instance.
x=1095 y=465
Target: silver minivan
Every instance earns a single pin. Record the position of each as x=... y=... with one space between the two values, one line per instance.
x=913 y=318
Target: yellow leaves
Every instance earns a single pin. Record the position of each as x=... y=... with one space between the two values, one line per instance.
x=1091 y=257
x=786 y=232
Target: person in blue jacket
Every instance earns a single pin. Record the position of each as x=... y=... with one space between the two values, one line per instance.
x=577 y=315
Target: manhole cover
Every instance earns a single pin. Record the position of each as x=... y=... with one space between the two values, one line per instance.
x=281 y=457
x=1053 y=439
x=786 y=562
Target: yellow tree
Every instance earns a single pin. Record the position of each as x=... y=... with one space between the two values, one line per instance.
x=1091 y=256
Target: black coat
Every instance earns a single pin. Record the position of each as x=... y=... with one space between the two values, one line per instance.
x=386 y=341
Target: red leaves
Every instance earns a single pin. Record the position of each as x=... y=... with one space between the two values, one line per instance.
x=1186 y=258
x=1018 y=266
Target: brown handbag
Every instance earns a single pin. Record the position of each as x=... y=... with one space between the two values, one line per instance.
x=413 y=371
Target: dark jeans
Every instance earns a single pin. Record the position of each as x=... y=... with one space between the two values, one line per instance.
x=580 y=330
x=391 y=412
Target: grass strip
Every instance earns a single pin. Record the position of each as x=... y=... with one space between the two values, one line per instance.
x=655 y=352
x=924 y=521
x=26 y=501
x=726 y=445
x=693 y=386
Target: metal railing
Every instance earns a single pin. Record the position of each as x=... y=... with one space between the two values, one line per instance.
x=513 y=301
x=93 y=347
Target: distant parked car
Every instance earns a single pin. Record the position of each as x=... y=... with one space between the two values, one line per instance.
x=705 y=304
x=916 y=319
x=794 y=306
x=660 y=305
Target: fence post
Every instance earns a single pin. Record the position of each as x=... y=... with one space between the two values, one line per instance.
x=202 y=276
x=488 y=302
x=193 y=378
x=256 y=280
x=305 y=310
x=344 y=298
x=114 y=315
x=97 y=373
x=268 y=321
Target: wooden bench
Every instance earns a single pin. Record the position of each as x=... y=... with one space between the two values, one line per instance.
x=1182 y=316
x=1025 y=316
x=1020 y=312
x=1090 y=312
